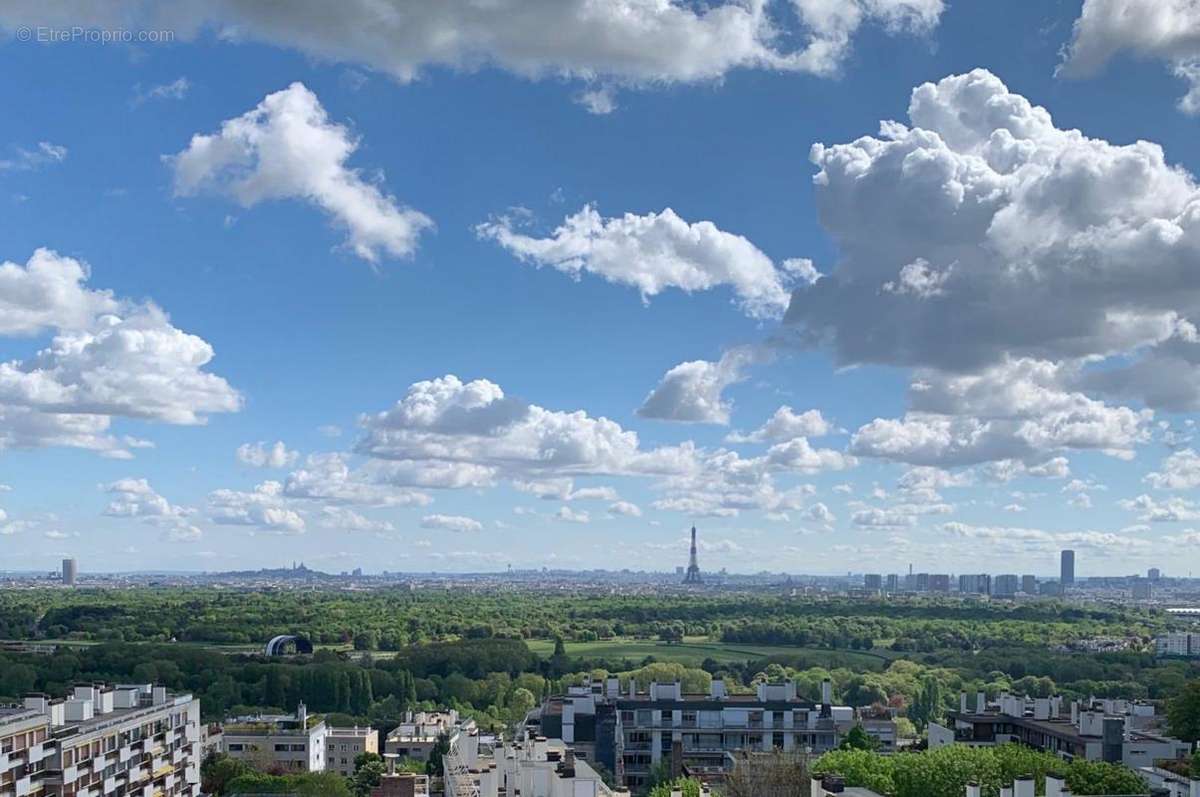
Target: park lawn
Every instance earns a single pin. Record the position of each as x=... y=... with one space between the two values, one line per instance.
x=694 y=650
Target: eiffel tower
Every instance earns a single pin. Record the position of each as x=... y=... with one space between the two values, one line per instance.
x=693 y=572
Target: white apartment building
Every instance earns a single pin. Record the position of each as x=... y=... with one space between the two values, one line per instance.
x=1116 y=731
x=343 y=745
x=631 y=732
x=531 y=766
x=295 y=742
x=125 y=740
x=23 y=736
x=416 y=736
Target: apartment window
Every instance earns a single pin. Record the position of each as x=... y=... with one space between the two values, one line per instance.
x=643 y=717
x=281 y=748
x=298 y=748
x=235 y=748
x=332 y=745
x=777 y=741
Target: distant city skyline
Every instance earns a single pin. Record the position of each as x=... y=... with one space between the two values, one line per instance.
x=910 y=284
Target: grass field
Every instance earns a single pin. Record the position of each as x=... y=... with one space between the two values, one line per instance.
x=693 y=650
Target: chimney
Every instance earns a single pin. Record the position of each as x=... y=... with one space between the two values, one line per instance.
x=1023 y=786
x=1075 y=713
x=962 y=702
x=1006 y=791
x=1194 y=791
x=815 y=787
x=980 y=702
x=973 y=789
x=827 y=692
x=717 y=690
x=1054 y=785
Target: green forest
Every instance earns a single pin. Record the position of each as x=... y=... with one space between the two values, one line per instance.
x=494 y=656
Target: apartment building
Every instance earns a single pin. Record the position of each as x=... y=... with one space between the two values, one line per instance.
x=343 y=745
x=125 y=740
x=1116 y=731
x=531 y=766
x=1183 y=644
x=415 y=737
x=631 y=732
x=294 y=742
x=23 y=736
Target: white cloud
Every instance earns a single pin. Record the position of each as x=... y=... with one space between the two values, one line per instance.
x=107 y=359
x=625 y=508
x=1013 y=213
x=883 y=518
x=571 y=516
x=449 y=420
x=287 y=148
x=653 y=253
x=1179 y=471
x=821 y=514
x=138 y=366
x=135 y=498
x=27 y=160
x=262 y=455
x=1169 y=510
x=1018 y=410
x=177 y=89
x=456 y=523
x=264 y=507
x=564 y=490
x=692 y=391
x=628 y=42
x=49 y=292
x=784 y=425
x=1160 y=29
x=344 y=519
x=329 y=478
x=1099 y=542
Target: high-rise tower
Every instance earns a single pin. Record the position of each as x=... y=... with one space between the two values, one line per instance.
x=693 y=571
x=1067 y=569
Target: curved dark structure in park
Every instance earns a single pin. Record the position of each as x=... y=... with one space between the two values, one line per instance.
x=278 y=645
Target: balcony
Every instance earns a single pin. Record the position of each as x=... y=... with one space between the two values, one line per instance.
x=38 y=752
x=23 y=786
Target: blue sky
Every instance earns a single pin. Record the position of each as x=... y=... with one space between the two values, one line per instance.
x=389 y=226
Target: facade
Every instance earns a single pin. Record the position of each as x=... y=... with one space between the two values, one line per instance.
x=1067 y=569
x=293 y=742
x=69 y=572
x=1101 y=730
x=975 y=584
x=893 y=582
x=1029 y=585
x=415 y=738
x=873 y=582
x=138 y=740
x=23 y=736
x=1006 y=586
x=631 y=732
x=343 y=745
x=1181 y=644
